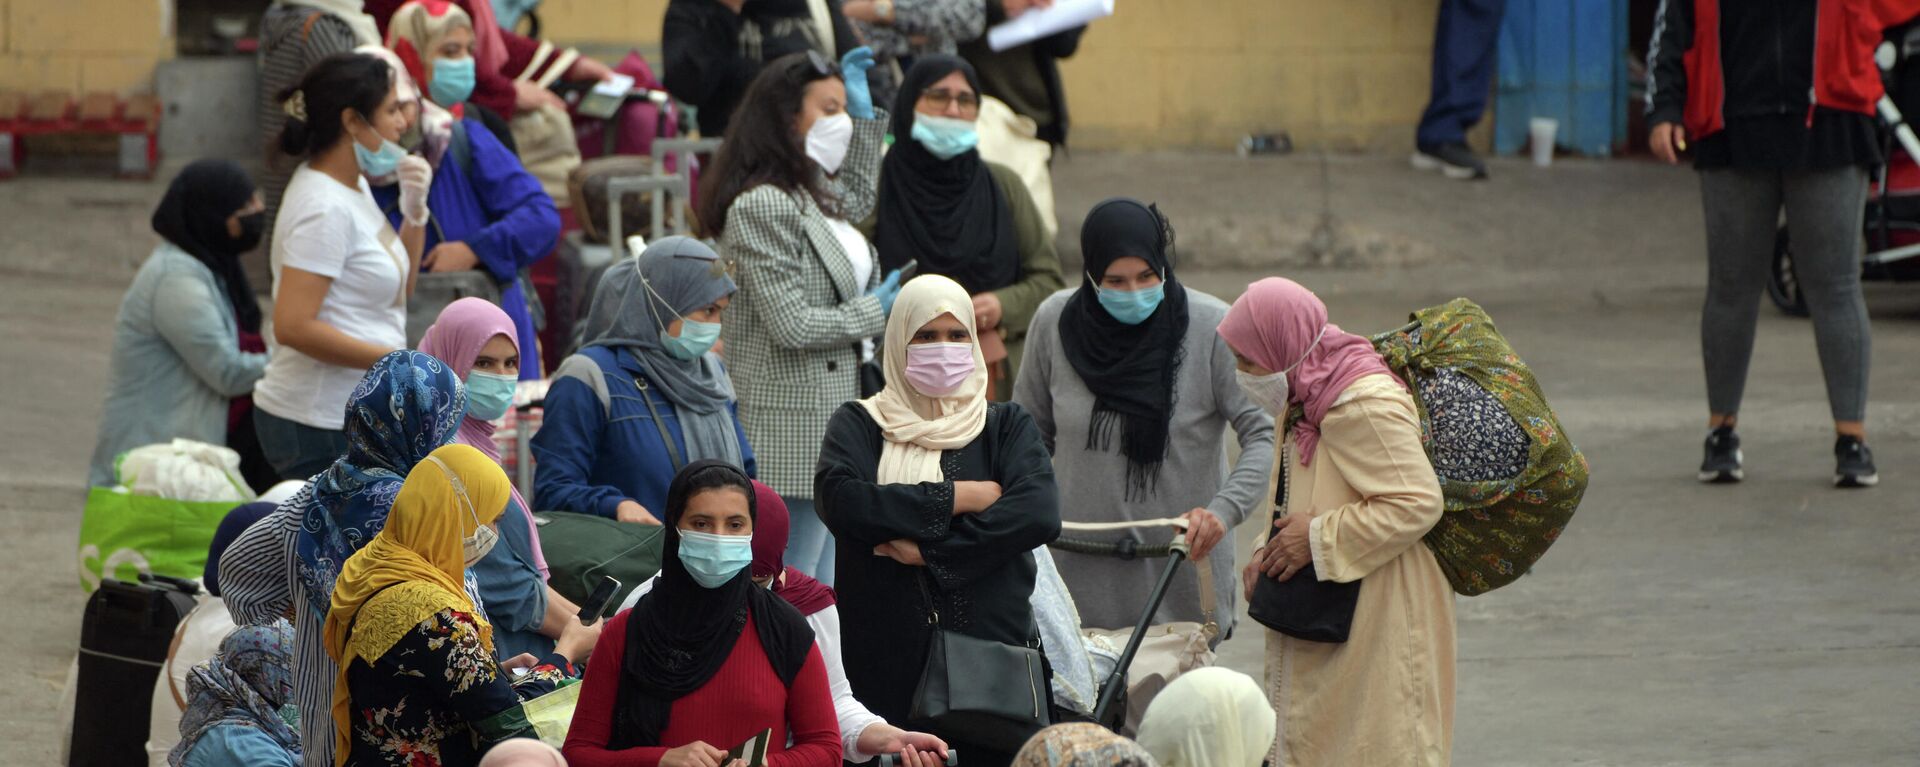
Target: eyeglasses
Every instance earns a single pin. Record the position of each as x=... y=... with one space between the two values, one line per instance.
x=939 y=99
x=822 y=66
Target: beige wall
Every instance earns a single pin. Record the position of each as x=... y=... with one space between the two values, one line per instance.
x=83 y=45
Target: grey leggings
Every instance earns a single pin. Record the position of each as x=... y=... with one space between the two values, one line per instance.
x=1824 y=210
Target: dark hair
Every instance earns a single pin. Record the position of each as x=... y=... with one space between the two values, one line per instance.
x=336 y=83
x=702 y=477
x=760 y=146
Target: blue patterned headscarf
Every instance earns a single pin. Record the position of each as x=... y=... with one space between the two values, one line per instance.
x=408 y=405
x=248 y=684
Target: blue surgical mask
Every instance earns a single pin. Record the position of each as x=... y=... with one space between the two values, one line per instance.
x=713 y=560
x=452 y=81
x=1133 y=306
x=695 y=339
x=381 y=163
x=945 y=137
x=489 y=395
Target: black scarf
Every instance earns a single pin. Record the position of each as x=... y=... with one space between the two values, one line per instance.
x=680 y=634
x=1129 y=368
x=193 y=216
x=947 y=214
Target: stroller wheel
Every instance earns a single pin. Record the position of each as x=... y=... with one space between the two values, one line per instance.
x=1783 y=286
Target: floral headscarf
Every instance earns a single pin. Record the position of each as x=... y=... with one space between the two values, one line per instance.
x=248 y=684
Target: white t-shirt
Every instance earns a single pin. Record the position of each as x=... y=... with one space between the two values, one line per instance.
x=861 y=257
x=334 y=231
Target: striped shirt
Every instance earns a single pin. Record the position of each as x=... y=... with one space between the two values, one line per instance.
x=292 y=39
x=259 y=583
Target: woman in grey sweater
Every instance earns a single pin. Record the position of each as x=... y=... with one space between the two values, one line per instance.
x=1133 y=391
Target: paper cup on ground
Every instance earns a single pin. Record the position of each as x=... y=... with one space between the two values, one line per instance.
x=1543 y=130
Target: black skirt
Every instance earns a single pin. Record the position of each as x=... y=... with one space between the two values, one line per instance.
x=1837 y=139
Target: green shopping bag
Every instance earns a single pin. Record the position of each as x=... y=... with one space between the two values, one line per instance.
x=124 y=534
x=552 y=714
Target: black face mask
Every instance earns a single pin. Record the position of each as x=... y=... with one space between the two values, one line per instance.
x=252 y=226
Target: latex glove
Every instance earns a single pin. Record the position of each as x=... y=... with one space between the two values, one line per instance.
x=416 y=177
x=886 y=291
x=853 y=69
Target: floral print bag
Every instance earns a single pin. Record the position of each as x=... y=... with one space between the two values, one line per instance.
x=1512 y=478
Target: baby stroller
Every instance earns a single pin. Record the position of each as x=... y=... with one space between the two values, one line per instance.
x=1892 y=221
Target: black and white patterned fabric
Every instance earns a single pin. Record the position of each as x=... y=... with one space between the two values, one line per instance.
x=1475 y=439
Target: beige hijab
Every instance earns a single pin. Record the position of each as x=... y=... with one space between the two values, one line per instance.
x=917 y=427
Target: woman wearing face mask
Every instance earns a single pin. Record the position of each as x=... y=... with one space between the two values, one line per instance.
x=932 y=491
x=798 y=164
x=407 y=405
x=963 y=217
x=1126 y=378
x=176 y=347
x=475 y=339
x=647 y=394
x=713 y=658
x=489 y=213
x=862 y=734
x=418 y=680
x=1358 y=493
x=341 y=275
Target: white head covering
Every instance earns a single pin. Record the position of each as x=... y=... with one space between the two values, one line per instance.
x=917 y=427
x=1209 y=717
x=278 y=494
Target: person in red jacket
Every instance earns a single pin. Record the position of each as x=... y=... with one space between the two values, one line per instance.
x=1777 y=99
x=715 y=659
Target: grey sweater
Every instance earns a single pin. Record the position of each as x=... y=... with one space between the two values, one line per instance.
x=1110 y=592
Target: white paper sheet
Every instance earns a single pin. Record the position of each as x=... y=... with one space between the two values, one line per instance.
x=1035 y=24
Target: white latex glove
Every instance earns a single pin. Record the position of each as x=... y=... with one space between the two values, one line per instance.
x=416 y=177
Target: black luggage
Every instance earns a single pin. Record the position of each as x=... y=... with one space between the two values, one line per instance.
x=124 y=638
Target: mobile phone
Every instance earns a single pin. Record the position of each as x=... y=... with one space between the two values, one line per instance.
x=598 y=601
x=893 y=760
x=909 y=271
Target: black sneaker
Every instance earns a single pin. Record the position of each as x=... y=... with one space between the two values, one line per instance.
x=1855 y=464
x=1722 y=464
x=1454 y=161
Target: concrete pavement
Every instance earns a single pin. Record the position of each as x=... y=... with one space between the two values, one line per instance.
x=1770 y=623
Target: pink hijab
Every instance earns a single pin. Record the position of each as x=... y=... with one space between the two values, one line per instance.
x=1274 y=324
x=456 y=338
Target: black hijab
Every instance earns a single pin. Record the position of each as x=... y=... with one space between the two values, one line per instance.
x=1129 y=368
x=947 y=214
x=193 y=216
x=680 y=634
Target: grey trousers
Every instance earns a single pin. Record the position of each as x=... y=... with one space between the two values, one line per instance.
x=1824 y=210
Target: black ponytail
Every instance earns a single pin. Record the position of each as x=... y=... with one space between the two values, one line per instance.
x=336 y=83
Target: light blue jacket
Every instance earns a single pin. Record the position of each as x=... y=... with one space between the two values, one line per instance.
x=176 y=361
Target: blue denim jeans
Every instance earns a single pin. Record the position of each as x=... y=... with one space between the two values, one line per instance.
x=296 y=450
x=809 y=544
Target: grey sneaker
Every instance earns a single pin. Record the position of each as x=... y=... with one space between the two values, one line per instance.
x=1454 y=161
x=1722 y=464
x=1854 y=464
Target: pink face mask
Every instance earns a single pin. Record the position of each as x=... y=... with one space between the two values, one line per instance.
x=936 y=370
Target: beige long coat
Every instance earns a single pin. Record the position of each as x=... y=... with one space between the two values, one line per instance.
x=1385 y=696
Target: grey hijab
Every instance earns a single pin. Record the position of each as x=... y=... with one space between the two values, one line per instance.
x=684 y=276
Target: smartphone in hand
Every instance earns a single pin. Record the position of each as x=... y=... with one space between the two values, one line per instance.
x=597 y=602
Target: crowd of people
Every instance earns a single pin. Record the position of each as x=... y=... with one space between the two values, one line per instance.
x=858 y=403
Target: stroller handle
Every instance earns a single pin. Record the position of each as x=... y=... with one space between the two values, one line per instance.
x=1124 y=548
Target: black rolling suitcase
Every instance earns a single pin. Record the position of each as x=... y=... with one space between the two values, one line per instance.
x=124 y=638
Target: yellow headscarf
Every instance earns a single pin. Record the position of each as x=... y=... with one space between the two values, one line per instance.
x=416 y=564
x=918 y=427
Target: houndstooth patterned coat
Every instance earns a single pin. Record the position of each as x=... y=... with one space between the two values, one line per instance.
x=794 y=329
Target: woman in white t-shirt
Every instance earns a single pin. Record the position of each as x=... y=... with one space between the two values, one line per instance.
x=341 y=275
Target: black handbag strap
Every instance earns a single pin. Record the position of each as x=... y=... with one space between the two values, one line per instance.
x=673 y=452
x=933 y=612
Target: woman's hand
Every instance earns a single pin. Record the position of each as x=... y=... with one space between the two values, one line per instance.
x=883 y=738
x=904 y=551
x=519 y=662
x=632 y=511
x=450 y=257
x=1288 y=552
x=973 y=497
x=695 y=754
x=1204 y=531
x=987 y=311
x=577 y=640
x=1668 y=140
x=528 y=97
x=416 y=180
x=1016 y=7
x=590 y=70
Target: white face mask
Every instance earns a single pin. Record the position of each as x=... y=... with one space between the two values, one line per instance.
x=828 y=139
x=473 y=547
x=1270 y=391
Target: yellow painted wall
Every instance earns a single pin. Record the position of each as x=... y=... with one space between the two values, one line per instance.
x=83 y=45
x=1192 y=73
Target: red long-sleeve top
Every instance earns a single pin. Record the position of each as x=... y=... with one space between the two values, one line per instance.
x=742 y=699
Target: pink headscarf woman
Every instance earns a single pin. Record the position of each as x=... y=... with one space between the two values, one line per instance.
x=1282 y=327
x=457 y=337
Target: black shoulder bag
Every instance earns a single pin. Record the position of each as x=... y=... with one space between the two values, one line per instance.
x=1302 y=607
x=994 y=692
